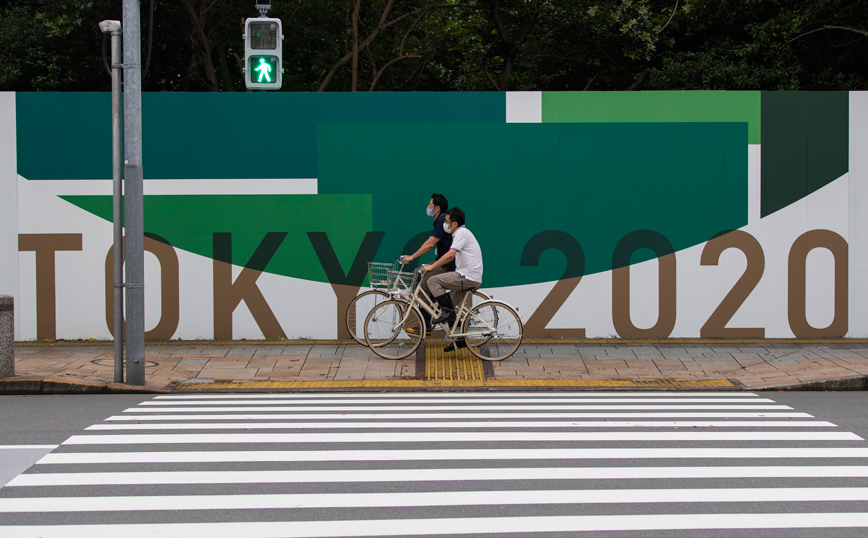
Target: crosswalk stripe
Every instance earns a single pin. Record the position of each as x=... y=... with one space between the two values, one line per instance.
x=434 y=475
x=489 y=454
x=28 y=447
x=423 y=499
x=499 y=424
x=460 y=408
x=370 y=416
x=656 y=449
x=467 y=400
x=449 y=526
x=431 y=437
x=450 y=396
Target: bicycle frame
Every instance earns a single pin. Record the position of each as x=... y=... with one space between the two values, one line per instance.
x=491 y=322
x=419 y=300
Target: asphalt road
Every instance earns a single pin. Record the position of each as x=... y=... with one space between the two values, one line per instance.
x=32 y=426
x=432 y=464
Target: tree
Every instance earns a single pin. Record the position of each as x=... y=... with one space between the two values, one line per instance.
x=454 y=45
x=768 y=45
x=403 y=34
x=52 y=45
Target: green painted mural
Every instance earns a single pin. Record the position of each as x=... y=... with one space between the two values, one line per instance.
x=804 y=144
x=598 y=167
x=655 y=107
x=564 y=198
x=189 y=223
x=277 y=131
x=596 y=182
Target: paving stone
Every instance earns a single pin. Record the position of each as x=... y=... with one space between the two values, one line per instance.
x=193 y=361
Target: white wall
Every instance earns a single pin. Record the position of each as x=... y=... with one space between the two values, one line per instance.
x=9 y=202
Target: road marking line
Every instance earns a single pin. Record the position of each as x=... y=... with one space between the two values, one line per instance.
x=455 y=408
x=447 y=526
x=446 y=455
x=459 y=400
x=528 y=424
x=427 y=437
x=441 y=498
x=392 y=416
x=450 y=396
x=28 y=447
x=434 y=475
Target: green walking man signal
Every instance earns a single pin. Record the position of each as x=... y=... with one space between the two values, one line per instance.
x=264 y=69
x=263 y=51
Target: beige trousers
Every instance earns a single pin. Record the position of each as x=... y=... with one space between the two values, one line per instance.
x=439 y=283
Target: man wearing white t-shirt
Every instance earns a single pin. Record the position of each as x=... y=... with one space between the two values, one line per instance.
x=467 y=254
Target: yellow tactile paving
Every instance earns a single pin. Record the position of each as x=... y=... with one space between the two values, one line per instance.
x=455 y=366
x=424 y=383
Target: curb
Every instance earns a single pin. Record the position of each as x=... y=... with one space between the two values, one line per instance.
x=24 y=385
x=16 y=385
x=416 y=384
x=33 y=386
x=852 y=383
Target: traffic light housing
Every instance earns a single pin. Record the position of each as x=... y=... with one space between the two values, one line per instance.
x=263 y=53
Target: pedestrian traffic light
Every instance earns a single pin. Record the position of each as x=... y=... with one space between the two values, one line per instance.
x=263 y=53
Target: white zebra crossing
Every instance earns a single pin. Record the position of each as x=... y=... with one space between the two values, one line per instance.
x=400 y=454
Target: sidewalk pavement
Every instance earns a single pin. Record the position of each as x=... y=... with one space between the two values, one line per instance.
x=88 y=367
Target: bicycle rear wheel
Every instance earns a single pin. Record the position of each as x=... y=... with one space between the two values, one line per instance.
x=385 y=329
x=358 y=312
x=494 y=331
x=478 y=298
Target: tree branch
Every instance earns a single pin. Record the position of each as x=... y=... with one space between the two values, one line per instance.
x=347 y=57
x=204 y=49
x=831 y=27
x=670 y=17
x=485 y=65
x=355 y=77
x=638 y=80
x=383 y=69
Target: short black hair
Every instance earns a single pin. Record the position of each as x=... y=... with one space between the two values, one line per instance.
x=440 y=201
x=456 y=215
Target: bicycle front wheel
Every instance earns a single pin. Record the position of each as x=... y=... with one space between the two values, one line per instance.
x=358 y=312
x=494 y=331
x=385 y=329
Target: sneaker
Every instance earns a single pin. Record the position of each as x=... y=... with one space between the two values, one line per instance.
x=415 y=330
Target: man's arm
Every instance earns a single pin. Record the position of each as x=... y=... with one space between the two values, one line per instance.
x=426 y=247
x=446 y=258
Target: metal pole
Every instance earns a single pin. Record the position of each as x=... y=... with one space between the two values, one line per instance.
x=133 y=175
x=114 y=28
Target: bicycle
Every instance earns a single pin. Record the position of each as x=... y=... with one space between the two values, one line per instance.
x=492 y=330
x=378 y=279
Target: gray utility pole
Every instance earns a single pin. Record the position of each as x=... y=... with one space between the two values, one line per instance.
x=133 y=191
x=114 y=29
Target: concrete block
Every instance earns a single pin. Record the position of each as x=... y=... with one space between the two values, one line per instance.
x=7 y=336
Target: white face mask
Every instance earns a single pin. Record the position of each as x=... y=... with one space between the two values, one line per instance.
x=446 y=228
x=430 y=211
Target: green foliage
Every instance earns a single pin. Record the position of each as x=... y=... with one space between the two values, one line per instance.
x=51 y=45
x=456 y=45
x=768 y=45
